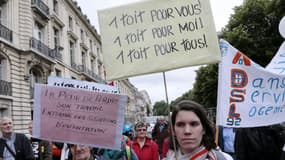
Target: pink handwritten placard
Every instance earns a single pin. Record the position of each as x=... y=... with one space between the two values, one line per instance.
x=79 y=116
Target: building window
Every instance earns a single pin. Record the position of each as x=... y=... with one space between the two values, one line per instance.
x=83 y=59
x=39 y=32
x=99 y=69
x=72 y=58
x=3 y=68
x=92 y=64
x=98 y=52
x=91 y=47
x=35 y=77
x=58 y=73
x=3 y=14
x=82 y=35
x=5 y=109
x=70 y=23
x=56 y=37
x=55 y=6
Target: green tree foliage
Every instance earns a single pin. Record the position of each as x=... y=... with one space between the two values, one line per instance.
x=205 y=86
x=148 y=109
x=160 y=108
x=205 y=82
x=253 y=29
x=185 y=96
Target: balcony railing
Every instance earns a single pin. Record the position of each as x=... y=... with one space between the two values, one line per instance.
x=56 y=53
x=6 y=33
x=42 y=48
x=40 y=6
x=84 y=69
x=5 y=88
x=75 y=66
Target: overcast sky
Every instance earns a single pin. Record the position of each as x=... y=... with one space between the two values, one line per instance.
x=178 y=81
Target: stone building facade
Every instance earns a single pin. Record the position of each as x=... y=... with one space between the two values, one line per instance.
x=41 y=38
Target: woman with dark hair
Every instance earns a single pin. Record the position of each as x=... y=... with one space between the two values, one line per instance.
x=194 y=134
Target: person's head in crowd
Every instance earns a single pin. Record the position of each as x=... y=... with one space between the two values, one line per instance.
x=128 y=131
x=161 y=120
x=140 y=130
x=80 y=152
x=192 y=128
x=6 y=126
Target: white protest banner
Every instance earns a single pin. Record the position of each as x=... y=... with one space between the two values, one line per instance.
x=282 y=27
x=78 y=116
x=248 y=94
x=89 y=86
x=157 y=35
x=277 y=64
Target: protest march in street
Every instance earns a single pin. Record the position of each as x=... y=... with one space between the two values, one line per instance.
x=65 y=93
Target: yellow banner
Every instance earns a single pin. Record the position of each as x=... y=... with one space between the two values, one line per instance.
x=157 y=35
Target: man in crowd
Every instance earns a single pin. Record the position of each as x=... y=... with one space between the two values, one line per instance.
x=160 y=132
x=260 y=143
x=226 y=140
x=14 y=146
x=41 y=148
x=80 y=152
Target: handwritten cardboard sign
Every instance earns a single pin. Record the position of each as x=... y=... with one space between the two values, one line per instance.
x=248 y=94
x=76 y=84
x=155 y=36
x=78 y=116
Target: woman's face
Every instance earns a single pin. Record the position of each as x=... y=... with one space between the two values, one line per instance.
x=188 y=130
x=80 y=152
x=141 y=132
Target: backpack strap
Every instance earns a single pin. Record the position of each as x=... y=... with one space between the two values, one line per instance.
x=8 y=148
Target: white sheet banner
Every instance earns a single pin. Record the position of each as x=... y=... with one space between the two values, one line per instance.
x=277 y=64
x=248 y=94
x=76 y=84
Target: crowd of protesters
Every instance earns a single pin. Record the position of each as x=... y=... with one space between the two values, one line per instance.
x=194 y=138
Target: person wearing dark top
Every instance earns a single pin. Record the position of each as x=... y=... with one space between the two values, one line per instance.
x=159 y=133
x=262 y=143
x=41 y=148
x=14 y=145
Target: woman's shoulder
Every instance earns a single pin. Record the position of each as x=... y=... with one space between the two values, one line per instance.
x=169 y=155
x=221 y=155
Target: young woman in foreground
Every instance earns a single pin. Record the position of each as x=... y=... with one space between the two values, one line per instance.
x=194 y=134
